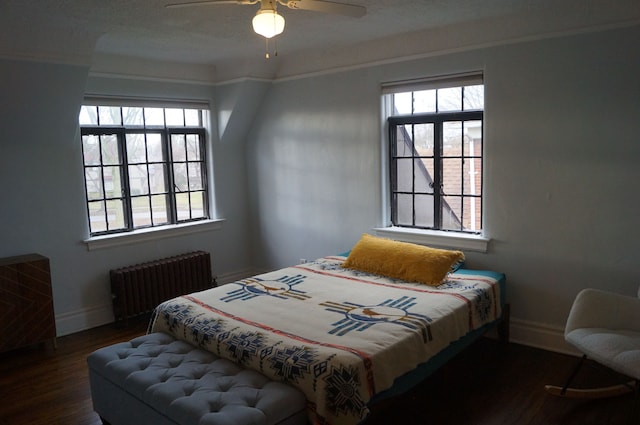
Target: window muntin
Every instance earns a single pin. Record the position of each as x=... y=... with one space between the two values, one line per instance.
x=436 y=157
x=143 y=166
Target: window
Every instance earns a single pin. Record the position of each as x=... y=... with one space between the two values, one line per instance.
x=143 y=166
x=435 y=154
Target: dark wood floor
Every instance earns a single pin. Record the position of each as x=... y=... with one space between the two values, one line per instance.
x=488 y=384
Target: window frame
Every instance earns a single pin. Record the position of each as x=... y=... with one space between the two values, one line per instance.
x=438 y=119
x=448 y=239
x=165 y=132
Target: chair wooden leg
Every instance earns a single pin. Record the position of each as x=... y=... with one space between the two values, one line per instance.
x=592 y=393
x=612 y=391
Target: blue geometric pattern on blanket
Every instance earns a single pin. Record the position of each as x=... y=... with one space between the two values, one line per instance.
x=342 y=392
x=175 y=314
x=244 y=346
x=293 y=362
x=482 y=303
x=203 y=329
x=360 y=317
x=255 y=287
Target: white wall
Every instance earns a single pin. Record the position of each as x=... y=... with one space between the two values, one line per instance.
x=297 y=165
x=42 y=207
x=561 y=168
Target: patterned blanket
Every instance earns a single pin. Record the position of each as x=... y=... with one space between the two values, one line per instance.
x=338 y=335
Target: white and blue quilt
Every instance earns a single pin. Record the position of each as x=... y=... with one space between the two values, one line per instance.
x=339 y=335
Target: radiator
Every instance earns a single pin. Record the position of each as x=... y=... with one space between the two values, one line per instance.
x=139 y=288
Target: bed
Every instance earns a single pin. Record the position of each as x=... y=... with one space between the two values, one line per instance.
x=343 y=336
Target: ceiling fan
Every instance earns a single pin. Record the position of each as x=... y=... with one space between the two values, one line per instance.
x=268 y=23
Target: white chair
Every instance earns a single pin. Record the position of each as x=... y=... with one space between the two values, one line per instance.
x=605 y=327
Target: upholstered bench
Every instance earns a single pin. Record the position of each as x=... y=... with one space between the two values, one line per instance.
x=156 y=379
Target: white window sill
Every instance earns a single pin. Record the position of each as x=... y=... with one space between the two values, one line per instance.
x=448 y=240
x=153 y=233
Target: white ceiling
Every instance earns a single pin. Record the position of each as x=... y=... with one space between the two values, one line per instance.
x=218 y=40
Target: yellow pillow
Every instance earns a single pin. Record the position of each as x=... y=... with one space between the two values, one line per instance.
x=402 y=260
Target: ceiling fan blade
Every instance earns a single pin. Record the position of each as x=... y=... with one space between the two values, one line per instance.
x=209 y=2
x=326 y=6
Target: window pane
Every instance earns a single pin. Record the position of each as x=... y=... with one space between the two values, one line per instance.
x=178 y=148
x=132 y=116
x=93 y=181
x=91 y=150
x=424 y=211
x=197 y=204
x=109 y=115
x=154 y=148
x=424 y=173
x=450 y=99
x=473 y=214
x=452 y=138
x=404 y=134
x=472 y=176
x=404 y=208
x=451 y=213
x=195 y=176
x=110 y=150
x=159 y=209
x=88 y=115
x=141 y=211
x=193 y=147
x=192 y=117
x=424 y=101
x=472 y=138
x=473 y=97
x=452 y=176
x=182 y=206
x=180 y=177
x=402 y=103
x=157 y=178
x=153 y=116
x=424 y=139
x=404 y=176
x=115 y=214
x=97 y=218
x=174 y=116
x=138 y=180
x=112 y=182
x=136 y=152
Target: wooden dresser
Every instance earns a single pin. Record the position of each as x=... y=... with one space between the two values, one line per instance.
x=26 y=304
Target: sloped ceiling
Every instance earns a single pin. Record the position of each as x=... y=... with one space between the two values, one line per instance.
x=216 y=42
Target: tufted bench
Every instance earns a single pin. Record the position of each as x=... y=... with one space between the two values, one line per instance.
x=156 y=379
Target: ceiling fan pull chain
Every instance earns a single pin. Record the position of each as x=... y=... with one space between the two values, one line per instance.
x=275 y=50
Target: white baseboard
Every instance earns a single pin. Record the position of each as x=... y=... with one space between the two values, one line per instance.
x=91 y=317
x=80 y=320
x=540 y=335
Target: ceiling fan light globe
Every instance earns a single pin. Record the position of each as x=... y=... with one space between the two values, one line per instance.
x=268 y=23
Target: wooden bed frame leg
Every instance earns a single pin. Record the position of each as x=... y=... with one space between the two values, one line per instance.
x=503 y=326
